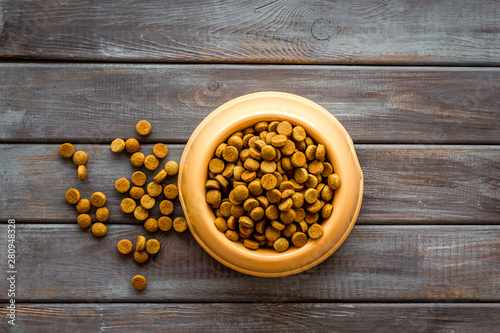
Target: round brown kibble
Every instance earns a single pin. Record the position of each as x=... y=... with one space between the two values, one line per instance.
x=268 y=166
x=272 y=212
x=82 y=172
x=160 y=150
x=235 y=141
x=272 y=234
x=311 y=152
x=132 y=145
x=102 y=214
x=166 y=207
x=232 y=235
x=300 y=175
x=315 y=167
x=180 y=224
x=141 y=213
x=152 y=246
x=298 y=133
x=99 y=229
x=140 y=243
x=165 y=223
x=98 y=199
x=147 y=201
x=137 y=159
x=320 y=152
x=281 y=244
x=287 y=216
x=299 y=239
x=117 y=145
x=122 y=185
x=268 y=153
x=139 y=282
x=216 y=165
x=285 y=204
x=315 y=231
x=151 y=162
x=288 y=148
x=251 y=244
x=171 y=191
x=138 y=178
x=220 y=224
x=273 y=195
x=298 y=159
x=298 y=200
x=80 y=157
x=128 y=205
x=84 y=220
x=240 y=192
x=311 y=195
x=83 y=206
x=154 y=189
x=213 y=198
x=136 y=192
x=278 y=141
x=143 y=127
x=326 y=211
x=334 y=181
x=230 y=154
x=278 y=225
x=151 y=225
x=284 y=128
x=160 y=176
x=72 y=196
x=66 y=150
x=327 y=169
x=171 y=167
x=125 y=246
x=141 y=256
x=269 y=181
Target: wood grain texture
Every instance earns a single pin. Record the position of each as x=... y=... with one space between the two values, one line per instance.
x=360 y=32
x=376 y=263
x=284 y=317
x=99 y=102
x=404 y=184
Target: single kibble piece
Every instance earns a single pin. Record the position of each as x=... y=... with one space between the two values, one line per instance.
x=315 y=231
x=299 y=239
x=83 y=206
x=66 y=150
x=180 y=224
x=125 y=246
x=251 y=244
x=299 y=133
x=311 y=195
x=143 y=127
x=154 y=189
x=281 y=244
x=230 y=154
x=82 y=172
x=160 y=176
x=151 y=225
x=128 y=205
x=141 y=256
x=165 y=223
x=213 y=198
x=122 y=185
x=326 y=211
x=166 y=207
x=171 y=191
x=99 y=229
x=221 y=224
x=117 y=145
x=98 y=199
x=147 y=201
x=72 y=196
x=132 y=145
x=102 y=214
x=80 y=157
x=84 y=220
x=152 y=246
x=334 y=181
x=137 y=159
x=136 y=192
x=216 y=165
x=160 y=150
x=139 y=282
x=232 y=235
x=140 y=243
x=172 y=168
x=284 y=128
x=151 y=162
x=138 y=178
x=141 y=213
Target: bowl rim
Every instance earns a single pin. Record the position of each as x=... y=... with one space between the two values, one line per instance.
x=297 y=99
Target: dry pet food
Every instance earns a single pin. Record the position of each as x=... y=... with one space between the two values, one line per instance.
x=117 y=145
x=152 y=246
x=66 y=150
x=72 y=196
x=139 y=282
x=98 y=199
x=99 y=229
x=84 y=221
x=80 y=157
x=82 y=172
x=143 y=127
x=125 y=246
x=180 y=224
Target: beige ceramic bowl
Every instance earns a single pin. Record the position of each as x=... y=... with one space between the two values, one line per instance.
x=246 y=111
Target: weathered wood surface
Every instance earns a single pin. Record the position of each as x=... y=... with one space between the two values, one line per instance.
x=99 y=102
x=283 y=317
x=447 y=32
x=376 y=263
x=404 y=184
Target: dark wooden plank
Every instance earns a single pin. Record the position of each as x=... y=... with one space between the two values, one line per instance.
x=283 y=317
x=312 y=31
x=98 y=102
x=376 y=263
x=416 y=184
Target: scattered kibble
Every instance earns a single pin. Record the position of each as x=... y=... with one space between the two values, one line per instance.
x=102 y=214
x=117 y=145
x=72 y=196
x=137 y=159
x=66 y=150
x=152 y=246
x=83 y=206
x=141 y=256
x=80 y=157
x=99 y=229
x=139 y=282
x=143 y=127
x=84 y=221
x=82 y=172
x=132 y=145
x=151 y=225
x=140 y=243
x=172 y=168
x=160 y=150
x=122 y=185
x=165 y=223
x=125 y=246
x=98 y=199
x=180 y=224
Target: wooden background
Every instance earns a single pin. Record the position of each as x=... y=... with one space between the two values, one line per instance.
x=416 y=84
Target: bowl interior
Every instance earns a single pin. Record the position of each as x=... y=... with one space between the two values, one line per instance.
x=237 y=115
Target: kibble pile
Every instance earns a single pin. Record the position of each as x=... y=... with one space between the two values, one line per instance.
x=270 y=185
